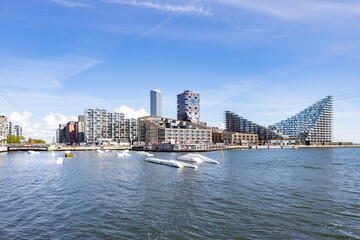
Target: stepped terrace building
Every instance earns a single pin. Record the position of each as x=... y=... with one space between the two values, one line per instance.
x=160 y=130
x=235 y=123
x=311 y=126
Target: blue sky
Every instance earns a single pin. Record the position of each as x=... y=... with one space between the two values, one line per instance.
x=59 y=57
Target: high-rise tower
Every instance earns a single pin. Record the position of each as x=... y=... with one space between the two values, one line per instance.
x=188 y=106
x=156 y=103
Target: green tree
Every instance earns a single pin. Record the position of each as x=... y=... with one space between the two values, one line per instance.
x=14 y=139
x=36 y=140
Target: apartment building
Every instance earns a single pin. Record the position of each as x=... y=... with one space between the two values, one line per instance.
x=100 y=124
x=234 y=138
x=3 y=127
x=160 y=130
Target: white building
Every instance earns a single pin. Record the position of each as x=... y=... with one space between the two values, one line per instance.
x=3 y=127
x=15 y=130
x=100 y=124
x=155 y=103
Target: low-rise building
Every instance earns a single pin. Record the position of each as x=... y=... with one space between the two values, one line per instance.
x=160 y=130
x=234 y=138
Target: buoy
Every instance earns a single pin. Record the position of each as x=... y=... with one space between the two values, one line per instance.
x=70 y=155
x=222 y=153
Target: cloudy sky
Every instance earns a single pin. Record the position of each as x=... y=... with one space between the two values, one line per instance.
x=58 y=57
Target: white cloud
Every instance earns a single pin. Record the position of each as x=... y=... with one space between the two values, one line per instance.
x=42 y=74
x=131 y=113
x=46 y=129
x=187 y=8
x=70 y=4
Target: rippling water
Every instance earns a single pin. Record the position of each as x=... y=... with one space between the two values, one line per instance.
x=252 y=194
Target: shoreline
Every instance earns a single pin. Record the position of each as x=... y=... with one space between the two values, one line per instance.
x=118 y=148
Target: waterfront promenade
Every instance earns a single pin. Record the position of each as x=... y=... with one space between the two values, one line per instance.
x=209 y=148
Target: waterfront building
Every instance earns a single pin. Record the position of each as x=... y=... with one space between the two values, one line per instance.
x=234 y=138
x=3 y=127
x=10 y=128
x=70 y=132
x=188 y=106
x=15 y=130
x=81 y=118
x=80 y=132
x=164 y=130
x=100 y=124
x=311 y=126
x=235 y=123
x=60 y=134
x=155 y=103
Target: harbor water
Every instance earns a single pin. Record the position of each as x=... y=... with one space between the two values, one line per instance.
x=251 y=194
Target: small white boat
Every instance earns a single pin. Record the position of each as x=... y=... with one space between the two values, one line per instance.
x=165 y=162
x=59 y=161
x=187 y=165
x=99 y=151
x=107 y=151
x=145 y=154
x=123 y=154
x=196 y=157
x=33 y=152
x=190 y=159
x=126 y=150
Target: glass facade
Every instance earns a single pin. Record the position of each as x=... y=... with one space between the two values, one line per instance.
x=312 y=125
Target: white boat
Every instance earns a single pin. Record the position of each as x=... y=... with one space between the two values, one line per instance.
x=107 y=151
x=59 y=161
x=123 y=154
x=165 y=162
x=32 y=152
x=99 y=151
x=145 y=154
x=187 y=165
x=196 y=157
x=126 y=150
x=190 y=159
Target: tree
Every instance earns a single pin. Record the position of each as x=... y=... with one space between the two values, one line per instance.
x=14 y=139
x=36 y=140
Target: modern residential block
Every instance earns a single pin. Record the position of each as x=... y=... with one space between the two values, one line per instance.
x=100 y=124
x=234 y=138
x=235 y=123
x=159 y=130
x=3 y=127
x=188 y=106
x=313 y=125
x=155 y=103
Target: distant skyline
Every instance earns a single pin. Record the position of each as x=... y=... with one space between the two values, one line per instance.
x=59 y=57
